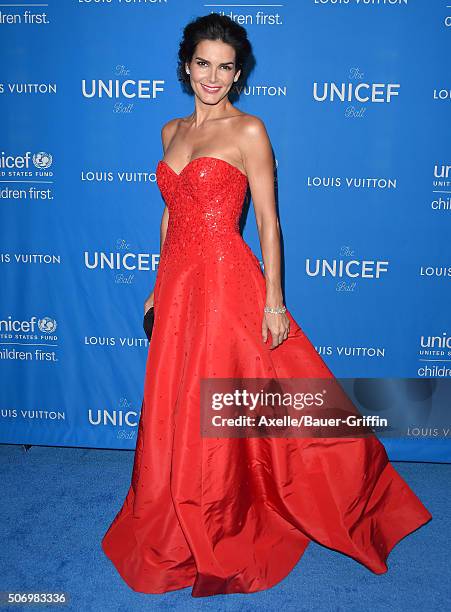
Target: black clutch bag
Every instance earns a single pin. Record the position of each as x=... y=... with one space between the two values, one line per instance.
x=148 y=322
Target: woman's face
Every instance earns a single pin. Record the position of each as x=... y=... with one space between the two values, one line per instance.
x=212 y=70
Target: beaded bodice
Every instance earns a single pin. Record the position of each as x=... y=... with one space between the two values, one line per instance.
x=205 y=202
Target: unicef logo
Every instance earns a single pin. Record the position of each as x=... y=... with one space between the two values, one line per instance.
x=47 y=325
x=42 y=160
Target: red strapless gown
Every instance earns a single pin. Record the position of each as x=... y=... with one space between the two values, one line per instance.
x=235 y=515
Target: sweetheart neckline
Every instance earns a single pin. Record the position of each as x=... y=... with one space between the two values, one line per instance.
x=201 y=157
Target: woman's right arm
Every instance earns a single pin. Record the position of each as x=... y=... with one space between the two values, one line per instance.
x=167 y=132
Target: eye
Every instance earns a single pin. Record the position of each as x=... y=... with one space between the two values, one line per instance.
x=202 y=63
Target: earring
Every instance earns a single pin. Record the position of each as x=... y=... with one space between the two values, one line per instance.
x=187 y=72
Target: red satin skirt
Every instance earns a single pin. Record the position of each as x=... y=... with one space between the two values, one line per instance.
x=235 y=515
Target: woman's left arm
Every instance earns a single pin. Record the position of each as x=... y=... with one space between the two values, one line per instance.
x=258 y=162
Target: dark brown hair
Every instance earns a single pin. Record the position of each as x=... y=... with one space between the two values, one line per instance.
x=213 y=27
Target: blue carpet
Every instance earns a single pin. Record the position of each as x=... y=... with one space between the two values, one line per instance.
x=58 y=502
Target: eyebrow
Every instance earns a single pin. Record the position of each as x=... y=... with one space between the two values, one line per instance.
x=221 y=64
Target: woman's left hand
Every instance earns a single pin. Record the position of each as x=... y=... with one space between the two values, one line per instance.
x=278 y=325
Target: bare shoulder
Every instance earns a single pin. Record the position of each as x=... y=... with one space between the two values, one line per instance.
x=253 y=126
x=253 y=136
x=168 y=131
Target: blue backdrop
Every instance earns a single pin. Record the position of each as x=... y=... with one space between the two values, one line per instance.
x=356 y=100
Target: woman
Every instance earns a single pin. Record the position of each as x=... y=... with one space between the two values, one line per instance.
x=227 y=515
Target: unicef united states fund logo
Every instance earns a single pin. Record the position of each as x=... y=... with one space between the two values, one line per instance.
x=28 y=329
x=17 y=166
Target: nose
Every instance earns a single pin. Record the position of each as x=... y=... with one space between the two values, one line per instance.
x=212 y=75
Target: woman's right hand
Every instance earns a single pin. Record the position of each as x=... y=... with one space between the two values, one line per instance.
x=149 y=302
